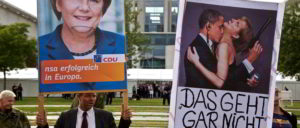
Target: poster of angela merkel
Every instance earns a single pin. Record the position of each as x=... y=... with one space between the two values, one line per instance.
x=226 y=58
x=81 y=46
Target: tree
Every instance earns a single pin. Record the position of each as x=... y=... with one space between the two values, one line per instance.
x=136 y=42
x=289 y=57
x=15 y=49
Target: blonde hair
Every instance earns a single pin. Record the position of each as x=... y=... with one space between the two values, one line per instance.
x=7 y=93
x=246 y=34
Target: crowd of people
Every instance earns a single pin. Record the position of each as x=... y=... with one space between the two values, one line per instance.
x=18 y=90
x=147 y=90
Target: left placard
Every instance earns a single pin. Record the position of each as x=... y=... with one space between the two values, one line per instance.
x=81 y=46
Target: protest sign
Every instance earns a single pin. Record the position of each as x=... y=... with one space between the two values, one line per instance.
x=81 y=46
x=225 y=59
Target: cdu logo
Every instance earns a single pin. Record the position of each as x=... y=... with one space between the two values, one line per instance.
x=97 y=58
x=109 y=58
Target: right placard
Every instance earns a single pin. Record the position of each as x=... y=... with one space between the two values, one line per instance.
x=225 y=63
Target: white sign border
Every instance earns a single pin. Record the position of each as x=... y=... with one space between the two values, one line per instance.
x=264 y=5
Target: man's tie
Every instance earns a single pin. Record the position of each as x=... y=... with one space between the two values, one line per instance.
x=213 y=48
x=84 y=120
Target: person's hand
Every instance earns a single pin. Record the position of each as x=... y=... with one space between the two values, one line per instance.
x=252 y=82
x=41 y=118
x=126 y=114
x=255 y=52
x=192 y=57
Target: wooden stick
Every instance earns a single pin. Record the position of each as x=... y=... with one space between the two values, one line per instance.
x=125 y=100
x=41 y=103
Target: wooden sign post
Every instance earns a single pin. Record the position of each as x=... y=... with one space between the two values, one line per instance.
x=125 y=100
x=41 y=103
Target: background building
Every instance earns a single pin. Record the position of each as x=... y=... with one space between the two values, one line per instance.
x=12 y=14
x=158 y=21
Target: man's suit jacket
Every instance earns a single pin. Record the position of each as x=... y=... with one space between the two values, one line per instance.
x=194 y=77
x=103 y=119
x=52 y=47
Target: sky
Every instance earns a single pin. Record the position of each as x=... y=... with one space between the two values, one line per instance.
x=30 y=5
x=26 y=5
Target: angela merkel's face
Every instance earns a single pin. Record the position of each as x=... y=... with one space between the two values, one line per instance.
x=81 y=15
x=234 y=26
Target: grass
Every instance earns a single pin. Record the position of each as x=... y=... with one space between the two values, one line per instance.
x=161 y=124
x=114 y=108
x=32 y=110
x=149 y=123
x=139 y=109
x=296 y=105
x=286 y=105
x=116 y=101
x=48 y=101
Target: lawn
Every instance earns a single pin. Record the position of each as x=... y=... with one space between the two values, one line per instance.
x=143 y=107
x=48 y=101
x=32 y=110
x=286 y=104
x=116 y=101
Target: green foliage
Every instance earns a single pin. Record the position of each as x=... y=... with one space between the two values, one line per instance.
x=116 y=101
x=136 y=41
x=15 y=48
x=289 y=57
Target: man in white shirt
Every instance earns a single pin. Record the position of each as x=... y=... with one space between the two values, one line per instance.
x=86 y=116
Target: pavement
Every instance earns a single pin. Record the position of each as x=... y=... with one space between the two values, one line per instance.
x=119 y=113
x=292 y=109
x=137 y=116
x=130 y=127
x=134 y=118
x=29 y=106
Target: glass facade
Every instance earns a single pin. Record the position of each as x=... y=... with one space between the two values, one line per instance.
x=174 y=11
x=154 y=15
x=161 y=38
x=159 y=21
x=153 y=63
x=154 y=57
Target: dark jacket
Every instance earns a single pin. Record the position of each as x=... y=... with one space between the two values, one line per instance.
x=103 y=119
x=292 y=118
x=14 y=119
x=194 y=77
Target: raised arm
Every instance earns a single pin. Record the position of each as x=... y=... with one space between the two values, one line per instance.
x=41 y=119
x=218 y=78
x=254 y=52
